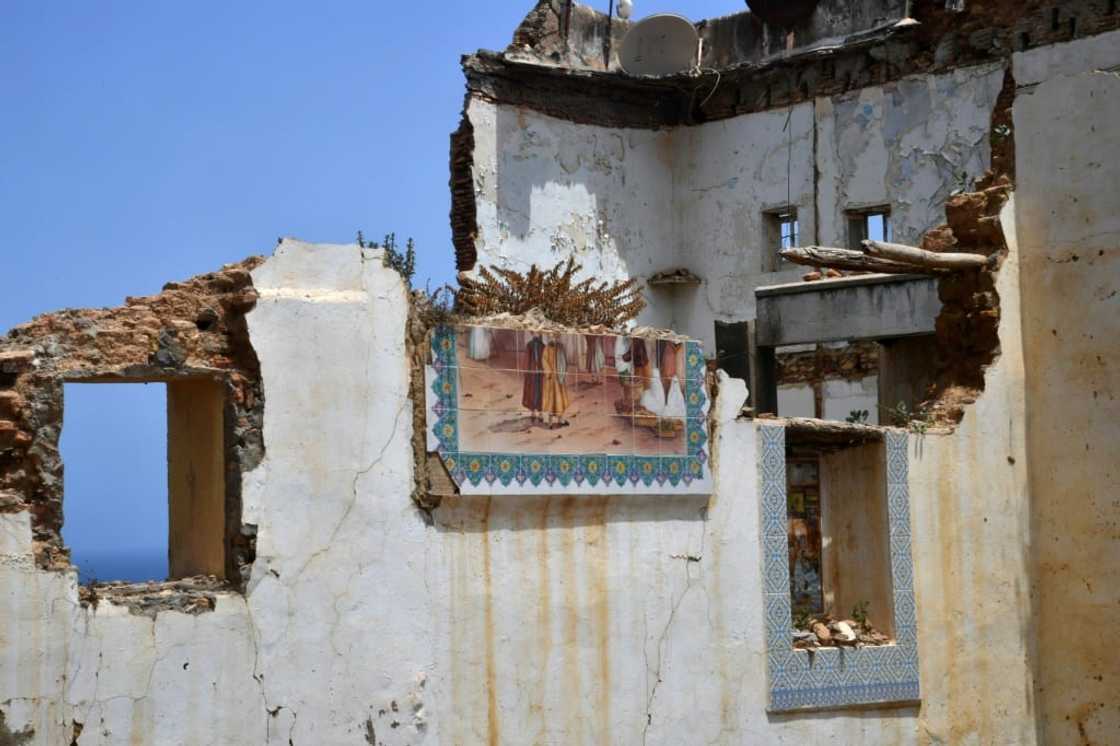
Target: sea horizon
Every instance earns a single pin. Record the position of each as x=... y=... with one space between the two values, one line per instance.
x=132 y=565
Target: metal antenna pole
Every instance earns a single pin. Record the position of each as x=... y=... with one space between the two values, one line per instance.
x=607 y=43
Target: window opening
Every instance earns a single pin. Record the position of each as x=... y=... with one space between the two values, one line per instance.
x=782 y=231
x=114 y=447
x=873 y=224
x=839 y=548
x=144 y=493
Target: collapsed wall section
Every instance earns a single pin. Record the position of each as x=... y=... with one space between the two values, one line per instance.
x=191 y=331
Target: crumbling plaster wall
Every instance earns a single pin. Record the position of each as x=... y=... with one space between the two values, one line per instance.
x=631 y=202
x=174 y=678
x=726 y=174
x=1068 y=215
x=546 y=190
x=503 y=619
x=331 y=641
x=971 y=552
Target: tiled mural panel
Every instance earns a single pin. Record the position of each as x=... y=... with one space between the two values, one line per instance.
x=519 y=411
x=835 y=677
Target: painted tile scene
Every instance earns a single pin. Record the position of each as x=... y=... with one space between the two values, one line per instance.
x=518 y=408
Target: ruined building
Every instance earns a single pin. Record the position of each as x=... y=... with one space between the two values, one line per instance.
x=831 y=506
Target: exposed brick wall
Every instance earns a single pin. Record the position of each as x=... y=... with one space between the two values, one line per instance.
x=464 y=213
x=853 y=362
x=967 y=329
x=194 y=328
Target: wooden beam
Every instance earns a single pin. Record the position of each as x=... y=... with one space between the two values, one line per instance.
x=805 y=431
x=823 y=256
x=921 y=258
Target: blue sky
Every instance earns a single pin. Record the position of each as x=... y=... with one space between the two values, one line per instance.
x=142 y=142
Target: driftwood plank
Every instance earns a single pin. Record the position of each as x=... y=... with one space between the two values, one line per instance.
x=823 y=256
x=921 y=258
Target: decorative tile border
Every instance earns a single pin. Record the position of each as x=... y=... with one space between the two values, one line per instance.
x=835 y=677
x=568 y=474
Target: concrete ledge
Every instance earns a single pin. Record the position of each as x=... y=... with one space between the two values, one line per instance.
x=847 y=308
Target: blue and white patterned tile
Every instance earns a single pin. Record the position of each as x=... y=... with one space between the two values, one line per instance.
x=775 y=577
x=902 y=575
x=905 y=615
x=779 y=624
x=898 y=466
x=833 y=677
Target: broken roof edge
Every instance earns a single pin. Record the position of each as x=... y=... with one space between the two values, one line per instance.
x=928 y=40
x=482 y=60
x=568 y=35
x=649 y=102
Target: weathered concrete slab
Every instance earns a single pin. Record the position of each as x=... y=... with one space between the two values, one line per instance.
x=861 y=307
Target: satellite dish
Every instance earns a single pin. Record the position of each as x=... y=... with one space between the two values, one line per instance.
x=662 y=44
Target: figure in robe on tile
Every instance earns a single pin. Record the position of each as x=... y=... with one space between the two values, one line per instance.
x=668 y=362
x=622 y=364
x=674 y=402
x=638 y=357
x=478 y=344
x=532 y=390
x=653 y=397
x=575 y=348
x=596 y=358
x=554 y=362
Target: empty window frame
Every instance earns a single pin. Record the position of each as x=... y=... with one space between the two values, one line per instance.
x=871 y=223
x=190 y=525
x=781 y=230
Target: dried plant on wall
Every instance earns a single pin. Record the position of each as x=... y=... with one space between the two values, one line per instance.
x=554 y=293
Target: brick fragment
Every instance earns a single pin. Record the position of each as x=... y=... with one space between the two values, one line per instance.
x=16 y=361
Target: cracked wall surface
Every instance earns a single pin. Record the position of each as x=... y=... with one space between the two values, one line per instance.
x=626 y=620
x=632 y=202
x=553 y=620
x=323 y=645
x=1068 y=218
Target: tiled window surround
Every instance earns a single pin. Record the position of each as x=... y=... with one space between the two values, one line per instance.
x=835 y=677
x=504 y=472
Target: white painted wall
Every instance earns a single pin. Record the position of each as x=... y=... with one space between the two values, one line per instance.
x=337 y=622
x=552 y=620
x=797 y=401
x=842 y=397
x=907 y=144
x=628 y=203
x=546 y=190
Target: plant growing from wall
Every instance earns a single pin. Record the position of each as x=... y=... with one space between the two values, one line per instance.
x=435 y=308
x=859 y=613
x=858 y=416
x=554 y=292
x=900 y=415
x=403 y=262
